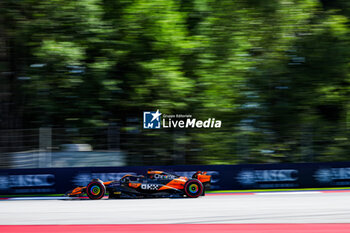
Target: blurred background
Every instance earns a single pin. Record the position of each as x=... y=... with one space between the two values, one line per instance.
x=76 y=76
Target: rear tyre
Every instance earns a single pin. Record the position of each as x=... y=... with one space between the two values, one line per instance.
x=193 y=188
x=95 y=190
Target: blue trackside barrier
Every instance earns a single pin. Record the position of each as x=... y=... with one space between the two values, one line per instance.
x=224 y=177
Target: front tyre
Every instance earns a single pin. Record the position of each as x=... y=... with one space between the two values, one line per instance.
x=193 y=188
x=95 y=190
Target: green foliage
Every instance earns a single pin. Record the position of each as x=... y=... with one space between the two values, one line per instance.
x=275 y=72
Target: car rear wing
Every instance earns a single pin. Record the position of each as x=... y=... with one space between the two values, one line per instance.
x=203 y=177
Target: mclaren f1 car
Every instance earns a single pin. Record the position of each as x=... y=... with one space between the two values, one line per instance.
x=153 y=184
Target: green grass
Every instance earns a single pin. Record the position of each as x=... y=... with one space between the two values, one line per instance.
x=32 y=195
x=212 y=191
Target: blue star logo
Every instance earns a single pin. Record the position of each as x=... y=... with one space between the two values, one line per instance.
x=151 y=120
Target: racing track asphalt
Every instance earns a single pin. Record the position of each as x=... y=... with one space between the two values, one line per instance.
x=290 y=207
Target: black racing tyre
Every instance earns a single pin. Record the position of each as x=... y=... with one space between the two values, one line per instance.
x=193 y=188
x=95 y=190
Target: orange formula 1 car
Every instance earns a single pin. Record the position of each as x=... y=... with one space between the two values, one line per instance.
x=154 y=184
